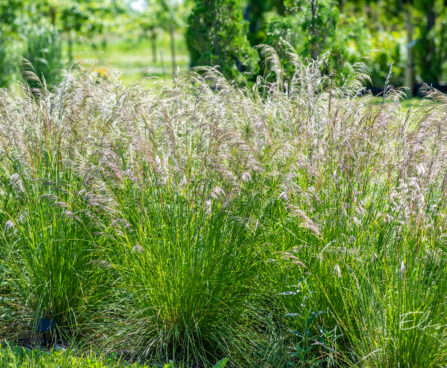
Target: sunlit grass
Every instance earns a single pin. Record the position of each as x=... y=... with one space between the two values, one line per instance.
x=132 y=58
x=294 y=223
x=18 y=357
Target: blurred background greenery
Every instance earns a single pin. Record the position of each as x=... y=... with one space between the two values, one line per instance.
x=147 y=38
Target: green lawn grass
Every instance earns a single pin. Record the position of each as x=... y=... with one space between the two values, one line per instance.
x=132 y=57
x=20 y=357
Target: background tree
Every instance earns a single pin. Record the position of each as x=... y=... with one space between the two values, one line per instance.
x=9 y=15
x=312 y=28
x=217 y=35
x=170 y=20
x=148 y=21
x=9 y=24
x=255 y=13
x=318 y=20
x=155 y=16
x=419 y=55
x=430 y=52
x=73 y=17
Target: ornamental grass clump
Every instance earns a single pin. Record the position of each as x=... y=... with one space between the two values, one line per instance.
x=298 y=222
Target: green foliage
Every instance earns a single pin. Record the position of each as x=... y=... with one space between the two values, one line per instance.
x=312 y=35
x=217 y=36
x=186 y=273
x=317 y=21
x=349 y=47
x=255 y=13
x=387 y=56
x=314 y=26
x=7 y=67
x=430 y=55
x=83 y=16
x=42 y=66
x=9 y=10
x=17 y=357
x=381 y=38
x=52 y=263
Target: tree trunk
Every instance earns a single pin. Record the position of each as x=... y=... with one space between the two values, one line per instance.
x=162 y=63
x=431 y=19
x=431 y=62
x=313 y=30
x=70 y=48
x=172 y=36
x=153 y=38
x=409 y=71
x=53 y=17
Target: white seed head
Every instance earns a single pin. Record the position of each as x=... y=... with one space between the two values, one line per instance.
x=137 y=248
x=284 y=196
x=209 y=205
x=402 y=268
x=337 y=270
x=16 y=183
x=246 y=177
x=9 y=225
x=217 y=192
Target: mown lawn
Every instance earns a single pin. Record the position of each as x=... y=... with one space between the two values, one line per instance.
x=132 y=57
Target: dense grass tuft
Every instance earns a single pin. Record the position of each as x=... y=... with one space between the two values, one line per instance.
x=292 y=223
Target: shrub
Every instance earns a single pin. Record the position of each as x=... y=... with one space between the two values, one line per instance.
x=323 y=33
x=217 y=36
